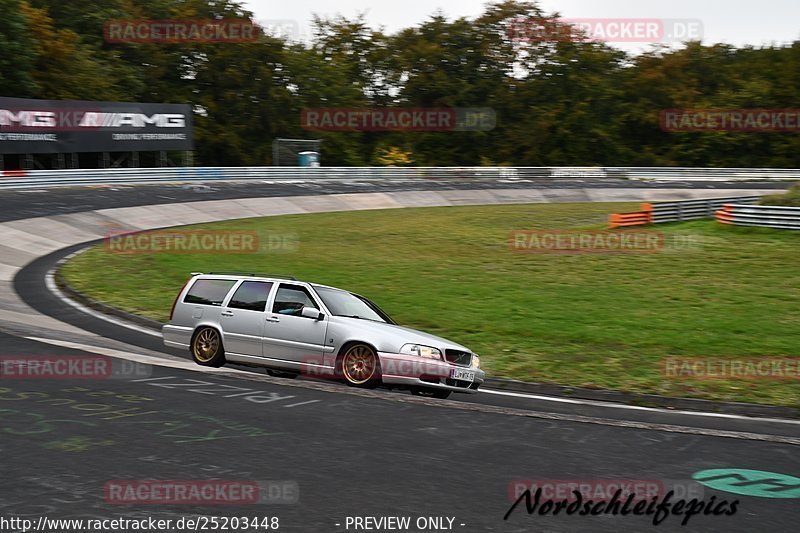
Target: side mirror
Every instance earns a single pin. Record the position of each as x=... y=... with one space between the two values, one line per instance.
x=310 y=312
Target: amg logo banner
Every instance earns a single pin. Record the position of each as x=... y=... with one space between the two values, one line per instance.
x=89 y=119
x=50 y=126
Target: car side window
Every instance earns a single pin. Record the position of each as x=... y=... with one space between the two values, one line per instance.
x=291 y=299
x=209 y=291
x=251 y=295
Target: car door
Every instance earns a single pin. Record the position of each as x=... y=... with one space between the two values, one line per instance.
x=244 y=318
x=288 y=335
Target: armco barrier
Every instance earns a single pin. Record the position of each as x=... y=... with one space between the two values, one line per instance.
x=764 y=216
x=47 y=178
x=661 y=212
x=694 y=209
x=637 y=218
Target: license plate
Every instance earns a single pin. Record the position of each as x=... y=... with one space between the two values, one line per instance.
x=462 y=374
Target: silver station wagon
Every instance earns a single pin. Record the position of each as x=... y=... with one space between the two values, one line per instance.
x=293 y=328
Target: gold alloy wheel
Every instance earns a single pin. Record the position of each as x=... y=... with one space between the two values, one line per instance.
x=206 y=345
x=359 y=365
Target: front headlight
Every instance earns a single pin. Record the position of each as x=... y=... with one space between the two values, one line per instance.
x=421 y=351
x=476 y=361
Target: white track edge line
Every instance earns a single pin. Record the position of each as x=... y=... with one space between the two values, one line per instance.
x=53 y=288
x=637 y=407
x=51 y=285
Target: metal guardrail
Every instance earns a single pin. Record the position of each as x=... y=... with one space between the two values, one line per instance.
x=764 y=216
x=110 y=176
x=710 y=174
x=694 y=209
x=662 y=212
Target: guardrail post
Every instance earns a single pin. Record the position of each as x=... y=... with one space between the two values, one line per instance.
x=722 y=215
x=647 y=209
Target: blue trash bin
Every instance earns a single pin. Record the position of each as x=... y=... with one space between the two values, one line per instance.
x=309 y=159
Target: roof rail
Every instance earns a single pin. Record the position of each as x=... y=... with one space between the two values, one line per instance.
x=253 y=275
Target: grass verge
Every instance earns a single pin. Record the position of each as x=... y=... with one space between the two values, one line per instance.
x=589 y=320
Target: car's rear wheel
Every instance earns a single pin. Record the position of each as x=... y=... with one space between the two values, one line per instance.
x=359 y=366
x=439 y=394
x=207 y=348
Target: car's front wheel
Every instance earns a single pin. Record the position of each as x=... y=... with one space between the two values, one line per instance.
x=359 y=366
x=439 y=394
x=207 y=348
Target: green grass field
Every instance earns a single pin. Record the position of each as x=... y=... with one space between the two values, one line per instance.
x=590 y=320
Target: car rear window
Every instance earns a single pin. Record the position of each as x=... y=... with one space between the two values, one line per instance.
x=251 y=295
x=209 y=291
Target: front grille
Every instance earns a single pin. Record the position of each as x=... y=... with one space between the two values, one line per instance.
x=457 y=357
x=458 y=383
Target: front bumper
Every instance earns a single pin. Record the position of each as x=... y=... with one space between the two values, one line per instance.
x=413 y=371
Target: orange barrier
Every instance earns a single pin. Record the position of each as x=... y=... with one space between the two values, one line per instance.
x=639 y=218
x=14 y=173
x=725 y=215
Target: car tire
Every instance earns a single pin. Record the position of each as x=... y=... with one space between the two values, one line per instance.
x=439 y=394
x=207 y=349
x=359 y=366
x=281 y=374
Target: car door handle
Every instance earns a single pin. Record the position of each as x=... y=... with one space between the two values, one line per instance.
x=273 y=319
x=227 y=313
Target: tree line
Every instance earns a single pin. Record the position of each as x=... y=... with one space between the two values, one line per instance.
x=570 y=103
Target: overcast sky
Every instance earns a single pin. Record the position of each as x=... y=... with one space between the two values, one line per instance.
x=731 y=21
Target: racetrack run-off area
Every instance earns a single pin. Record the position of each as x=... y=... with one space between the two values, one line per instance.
x=322 y=455
x=596 y=320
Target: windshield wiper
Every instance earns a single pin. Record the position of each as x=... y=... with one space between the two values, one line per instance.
x=359 y=317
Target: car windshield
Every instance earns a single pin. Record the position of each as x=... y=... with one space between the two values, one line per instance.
x=343 y=303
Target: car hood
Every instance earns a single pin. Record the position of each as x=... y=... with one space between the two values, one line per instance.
x=397 y=336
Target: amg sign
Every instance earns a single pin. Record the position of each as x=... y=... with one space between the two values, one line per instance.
x=48 y=126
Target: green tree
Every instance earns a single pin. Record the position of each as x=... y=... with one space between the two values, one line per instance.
x=17 y=53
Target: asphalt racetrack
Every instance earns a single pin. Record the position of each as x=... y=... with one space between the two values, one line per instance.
x=329 y=458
